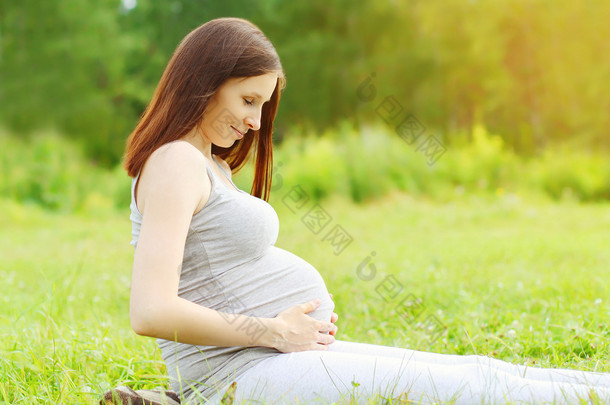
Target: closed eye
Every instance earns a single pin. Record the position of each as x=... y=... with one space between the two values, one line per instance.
x=248 y=102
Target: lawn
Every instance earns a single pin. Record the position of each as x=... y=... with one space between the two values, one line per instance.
x=519 y=280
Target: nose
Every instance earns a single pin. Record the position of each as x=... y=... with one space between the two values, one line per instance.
x=254 y=122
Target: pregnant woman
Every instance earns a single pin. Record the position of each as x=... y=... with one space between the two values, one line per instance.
x=225 y=304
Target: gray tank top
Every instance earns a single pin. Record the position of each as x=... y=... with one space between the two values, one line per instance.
x=231 y=265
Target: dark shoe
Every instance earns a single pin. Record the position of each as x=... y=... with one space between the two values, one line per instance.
x=126 y=396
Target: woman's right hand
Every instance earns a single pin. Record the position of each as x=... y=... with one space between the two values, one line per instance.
x=295 y=331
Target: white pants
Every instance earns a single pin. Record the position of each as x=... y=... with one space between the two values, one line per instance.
x=358 y=371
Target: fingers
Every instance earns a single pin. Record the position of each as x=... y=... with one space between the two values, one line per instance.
x=326 y=339
x=331 y=296
x=331 y=328
x=311 y=305
x=334 y=317
x=334 y=331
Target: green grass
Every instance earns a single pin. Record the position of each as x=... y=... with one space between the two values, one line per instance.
x=519 y=281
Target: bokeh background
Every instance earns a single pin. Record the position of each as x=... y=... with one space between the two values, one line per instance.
x=531 y=76
x=461 y=146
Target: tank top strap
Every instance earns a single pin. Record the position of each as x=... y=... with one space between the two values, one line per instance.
x=134 y=182
x=234 y=188
x=221 y=168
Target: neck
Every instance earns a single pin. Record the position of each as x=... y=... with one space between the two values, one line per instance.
x=196 y=138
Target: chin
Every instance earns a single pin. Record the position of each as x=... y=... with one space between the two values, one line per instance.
x=226 y=143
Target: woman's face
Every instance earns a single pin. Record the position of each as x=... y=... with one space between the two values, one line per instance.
x=236 y=106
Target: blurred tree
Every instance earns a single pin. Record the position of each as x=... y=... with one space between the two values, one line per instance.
x=63 y=66
x=534 y=71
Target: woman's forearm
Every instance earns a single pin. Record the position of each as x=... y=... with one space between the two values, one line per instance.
x=186 y=322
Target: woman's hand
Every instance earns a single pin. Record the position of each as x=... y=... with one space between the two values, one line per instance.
x=333 y=318
x=295 y=331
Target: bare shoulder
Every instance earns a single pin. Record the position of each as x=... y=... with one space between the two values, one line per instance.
x=175 y=169
x=177 y=151
x=176 y=159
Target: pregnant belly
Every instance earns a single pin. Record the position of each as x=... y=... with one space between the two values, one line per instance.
x=273 y=283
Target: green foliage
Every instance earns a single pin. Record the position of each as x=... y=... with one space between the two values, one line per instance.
x=63 y=65
x=51 y=171
x=90 y=69
x=564 y=173
x=362 y=165
x=370 y=163
x=313 y=168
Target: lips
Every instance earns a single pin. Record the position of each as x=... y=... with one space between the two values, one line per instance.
x=239 y=134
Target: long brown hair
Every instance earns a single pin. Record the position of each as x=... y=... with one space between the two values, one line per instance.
x=220 y=49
